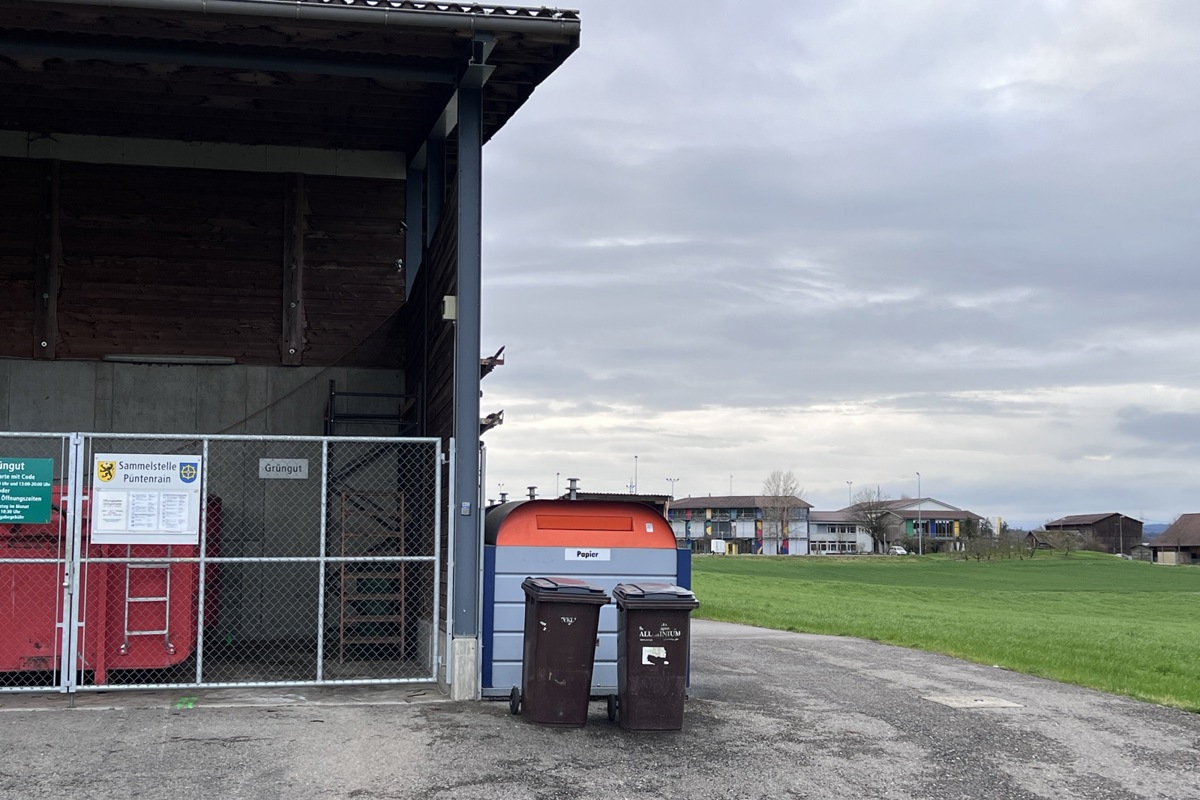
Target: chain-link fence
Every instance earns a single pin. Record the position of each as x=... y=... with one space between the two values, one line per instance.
x=226 y=560
x=35 y=538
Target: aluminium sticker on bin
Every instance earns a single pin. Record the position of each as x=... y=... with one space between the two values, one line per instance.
x=145 y=499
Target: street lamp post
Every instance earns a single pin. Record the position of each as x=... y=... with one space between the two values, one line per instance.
x=849 y=493
x=672 y=481
x=920 y=533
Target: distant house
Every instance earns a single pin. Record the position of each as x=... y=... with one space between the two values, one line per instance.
x=745 y=523
x=1036 y=540
x=1116 y=533
x=1180 y=543
x=1066 y=539
x=921 y=523
x=1141 y=552
x=926 y=523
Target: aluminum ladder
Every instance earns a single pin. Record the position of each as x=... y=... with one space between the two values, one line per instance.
x=164 y=599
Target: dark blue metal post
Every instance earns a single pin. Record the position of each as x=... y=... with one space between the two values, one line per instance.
x=466 y=363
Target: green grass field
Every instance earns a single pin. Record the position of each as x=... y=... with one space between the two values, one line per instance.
x=1119 y=626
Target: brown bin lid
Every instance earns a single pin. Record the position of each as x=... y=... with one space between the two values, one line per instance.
x=565 y=590
x=652 y=594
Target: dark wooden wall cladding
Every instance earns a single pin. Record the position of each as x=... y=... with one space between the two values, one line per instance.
x=20 y=224
x=352 y=285
x=170 y=261
x=429 y=363
x=431 y=358
x=190 y=262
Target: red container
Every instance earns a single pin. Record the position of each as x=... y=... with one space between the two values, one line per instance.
x=31 y=598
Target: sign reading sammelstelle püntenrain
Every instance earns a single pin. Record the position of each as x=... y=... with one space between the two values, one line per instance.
x=145 y=499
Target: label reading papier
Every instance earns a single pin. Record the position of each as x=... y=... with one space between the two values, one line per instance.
x=588 y=554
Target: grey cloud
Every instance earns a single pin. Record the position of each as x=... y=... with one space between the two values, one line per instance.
x=1173 y=432
x=887 y=205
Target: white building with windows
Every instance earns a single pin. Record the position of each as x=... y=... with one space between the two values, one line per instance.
x=832 y=532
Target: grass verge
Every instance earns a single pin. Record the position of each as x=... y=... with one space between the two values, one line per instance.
x=1091 y=619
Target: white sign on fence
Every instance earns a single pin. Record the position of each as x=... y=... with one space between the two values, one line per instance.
x=283 y=468
x=145 y=499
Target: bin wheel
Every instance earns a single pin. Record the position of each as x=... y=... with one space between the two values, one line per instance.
x=514 y=700
x=612 y=708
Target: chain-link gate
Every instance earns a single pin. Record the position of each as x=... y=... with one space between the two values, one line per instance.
x=240 y=560
x=35 y=540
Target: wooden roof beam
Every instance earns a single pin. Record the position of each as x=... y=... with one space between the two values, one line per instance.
x=75 y=51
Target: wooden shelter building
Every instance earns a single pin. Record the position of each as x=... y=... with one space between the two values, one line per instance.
x=234 y=216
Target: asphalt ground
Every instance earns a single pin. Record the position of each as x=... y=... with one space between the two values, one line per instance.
x=769 y=715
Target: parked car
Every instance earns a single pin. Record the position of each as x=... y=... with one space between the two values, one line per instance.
x=897 y=550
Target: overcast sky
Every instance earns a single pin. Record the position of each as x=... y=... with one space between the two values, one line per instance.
x=856 y=240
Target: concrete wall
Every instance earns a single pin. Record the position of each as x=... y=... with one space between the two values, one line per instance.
x=137 y=398
x=259 y=518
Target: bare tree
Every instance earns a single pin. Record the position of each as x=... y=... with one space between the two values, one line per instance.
x=981 y=547
x=869 y=512
x=976 y=529
x=782 y=498
x=1014 y=542
x=1065 y=541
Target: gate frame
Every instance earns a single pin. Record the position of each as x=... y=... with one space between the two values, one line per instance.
x=67 y=444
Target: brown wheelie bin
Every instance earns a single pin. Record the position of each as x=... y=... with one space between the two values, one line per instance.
x=562 y=616
x=653 y=632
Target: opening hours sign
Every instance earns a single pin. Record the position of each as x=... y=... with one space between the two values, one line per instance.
x=25 y=488
x=145 y=499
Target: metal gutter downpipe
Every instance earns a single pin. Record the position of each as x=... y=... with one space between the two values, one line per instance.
x=295 y=9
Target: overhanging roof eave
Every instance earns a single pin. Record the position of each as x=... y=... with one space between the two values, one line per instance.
x=382 y=12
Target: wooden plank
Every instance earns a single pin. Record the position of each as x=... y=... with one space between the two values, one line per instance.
x=291 y=345
x=240 y=128
x=195 y=278
x=182 y=87
x=102 y=87
x=47 y=269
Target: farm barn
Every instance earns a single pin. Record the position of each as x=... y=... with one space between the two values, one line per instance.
x=240 y=360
